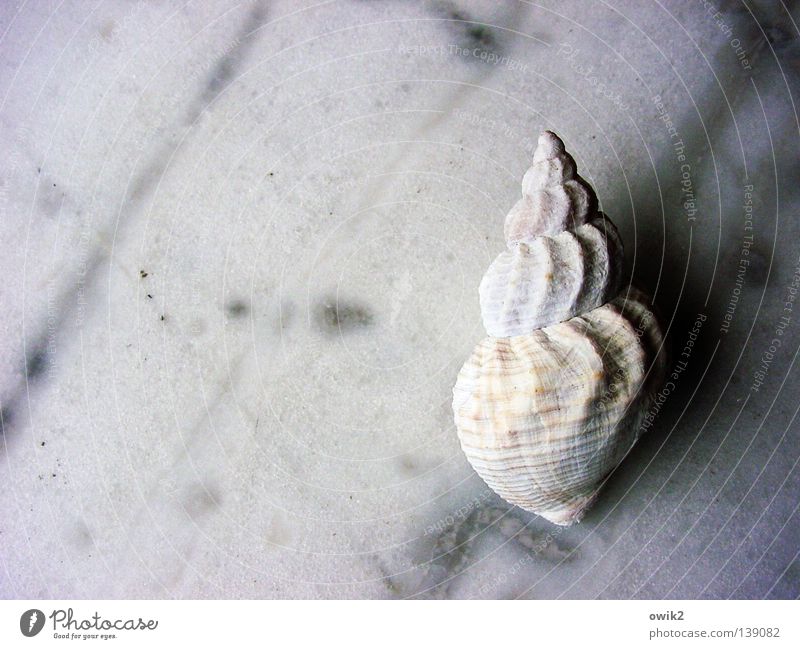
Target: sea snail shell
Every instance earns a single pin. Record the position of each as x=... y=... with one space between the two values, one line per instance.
x=553 y=399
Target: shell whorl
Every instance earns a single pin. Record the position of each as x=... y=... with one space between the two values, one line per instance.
x=543 y=418
x=552 y=400
x=562 y=259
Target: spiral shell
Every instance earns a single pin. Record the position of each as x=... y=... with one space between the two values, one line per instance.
x=553 y=399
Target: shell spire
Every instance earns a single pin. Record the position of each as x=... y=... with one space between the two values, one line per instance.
x=553 y=398
x=554 y=196
x=563 y=257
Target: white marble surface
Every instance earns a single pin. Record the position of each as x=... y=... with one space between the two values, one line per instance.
x=241 y=252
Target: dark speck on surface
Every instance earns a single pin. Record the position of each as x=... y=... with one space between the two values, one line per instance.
x=236 y=308
x=49 y=199
x=36 y=365
x=471 y=33
x=201 y=500
x=6 y=416
x=407 y=464
x=337 y=315
x=480 y=35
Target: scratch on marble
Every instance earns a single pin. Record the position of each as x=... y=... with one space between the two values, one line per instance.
x=228 y=64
